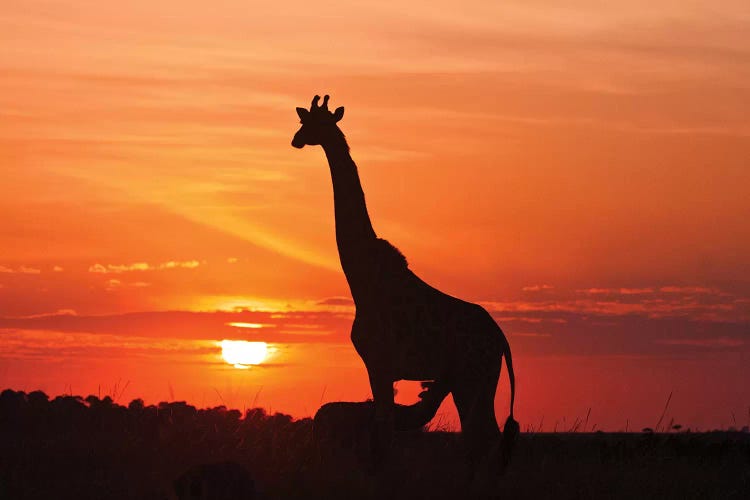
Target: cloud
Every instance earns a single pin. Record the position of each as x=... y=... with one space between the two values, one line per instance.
x=188 y=264
x=113 y=285
x=688 y=289
x=138 y=266
x=635 y=291
x=55 y=346
x=142 y=266
x=57 y=269
x=536 y=288
x=267 y=326
x=650 y=290
x=650 y=308
x=119 y=268
x=705 y=342
x=597 y=291
x=631 y=324
x=616 y=291
x=20 y=270
x=336 y=301
x=519 y=318
x=696 y=303
x=59 y=312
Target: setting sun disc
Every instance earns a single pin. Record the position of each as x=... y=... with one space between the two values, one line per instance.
x=242 y=353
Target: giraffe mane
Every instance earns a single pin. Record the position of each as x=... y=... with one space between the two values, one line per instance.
x=389 y=255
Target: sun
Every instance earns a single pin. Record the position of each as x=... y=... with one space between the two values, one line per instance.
x=242 y=354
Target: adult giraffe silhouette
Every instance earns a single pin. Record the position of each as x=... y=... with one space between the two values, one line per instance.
x=404 y=329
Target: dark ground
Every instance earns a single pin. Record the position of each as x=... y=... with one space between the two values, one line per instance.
x=75 y=448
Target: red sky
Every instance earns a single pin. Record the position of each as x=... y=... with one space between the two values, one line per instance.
x=580 y=170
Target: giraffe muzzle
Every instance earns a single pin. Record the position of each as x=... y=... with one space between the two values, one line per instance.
x=298 y=142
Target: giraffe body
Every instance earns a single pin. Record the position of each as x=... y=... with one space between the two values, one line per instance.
x=404 y=329
x=427 y=334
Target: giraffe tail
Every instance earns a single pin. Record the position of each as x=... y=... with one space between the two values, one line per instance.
x=511 y=429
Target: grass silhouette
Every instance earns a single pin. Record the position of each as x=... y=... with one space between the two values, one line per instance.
x=73 y=447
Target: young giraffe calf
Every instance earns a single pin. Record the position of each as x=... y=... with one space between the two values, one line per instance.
x=343 y=426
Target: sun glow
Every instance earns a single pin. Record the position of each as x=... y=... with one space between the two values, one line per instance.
x=242 y=354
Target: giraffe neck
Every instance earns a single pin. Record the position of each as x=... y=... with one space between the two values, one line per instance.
x=354 y=230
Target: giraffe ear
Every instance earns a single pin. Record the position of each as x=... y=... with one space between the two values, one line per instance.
x=339 y=113
x=302 y=113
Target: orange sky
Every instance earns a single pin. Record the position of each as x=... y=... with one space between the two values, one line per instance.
x=579 y=170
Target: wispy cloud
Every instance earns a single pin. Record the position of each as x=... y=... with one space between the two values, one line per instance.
x=699 y=303
x=20 y=270
x=113 y=284
x=280 y=327
x=537 y=288
x=336 y=301
x=616 y=291
x=119 y=268
x=55 y=346
x=635 y=291
x=566 y=326
x=688 y=290
x=59 y=312
x=142 y=266
x=650 y=308
x=188 y=264
x=705 y=342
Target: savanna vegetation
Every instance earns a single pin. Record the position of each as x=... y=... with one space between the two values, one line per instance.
x=74 y=447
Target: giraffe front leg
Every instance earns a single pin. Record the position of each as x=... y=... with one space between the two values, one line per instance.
x=381 y=383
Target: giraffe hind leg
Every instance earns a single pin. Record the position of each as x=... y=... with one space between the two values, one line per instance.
x=474 y=396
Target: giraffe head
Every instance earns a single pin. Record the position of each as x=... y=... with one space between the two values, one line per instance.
x=317 y=123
